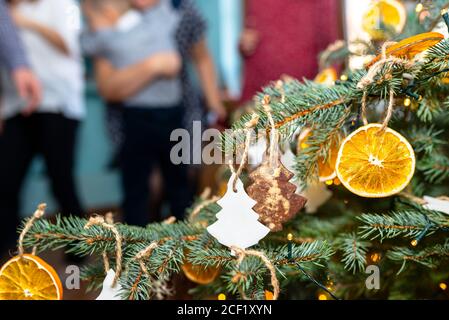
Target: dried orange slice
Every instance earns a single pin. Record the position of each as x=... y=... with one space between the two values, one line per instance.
x=326 y=166
x=269 y=295
x=326 y=76
x=375 y=164
x=382 y=15
x=410 y=47
x=29 y=278
x=200 y=274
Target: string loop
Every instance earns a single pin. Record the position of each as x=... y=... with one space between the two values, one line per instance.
x=102 y=222
x=241 y=254
x=40 y=211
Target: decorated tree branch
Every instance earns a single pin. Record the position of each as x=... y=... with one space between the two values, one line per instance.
x=377 y=140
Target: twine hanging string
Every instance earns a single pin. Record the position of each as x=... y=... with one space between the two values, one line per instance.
x=241 y=254
x=280 y=87
x=248 y=130
x=144 y=254
x=159 y=284
x=109 y=218
x=273 y=133
x=101 y=222
x=369 y=78
x=205 y=200
x=37 y=215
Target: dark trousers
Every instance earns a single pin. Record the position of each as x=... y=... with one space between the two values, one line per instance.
x=51 y=135
x=146 y=146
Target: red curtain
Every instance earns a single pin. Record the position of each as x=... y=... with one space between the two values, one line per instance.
x=292 y=34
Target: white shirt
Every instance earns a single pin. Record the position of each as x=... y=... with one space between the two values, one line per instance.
x=61 y=75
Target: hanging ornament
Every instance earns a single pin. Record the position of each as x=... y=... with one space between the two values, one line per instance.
x=437 y=204
x=375 y=162
x=198 y=273
x=410 y=47
x=268 y=295
x=382 y=16
x=28 y=277
x=316 y=194
x=237 y=223
x=276 y=199
x=110 y=291
x=326 y=165
x=327 y=77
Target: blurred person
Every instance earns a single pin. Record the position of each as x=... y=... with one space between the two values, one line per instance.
x=138 y=70
x=53 y=50
x=12 y=56
x=192 y=45
x=285 y=37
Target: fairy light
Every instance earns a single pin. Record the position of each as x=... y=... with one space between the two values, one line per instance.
x=329 y=182
x=419 y=7
x=221 y=296
x=375 y=257
x=337 y=181
x=344 y=77
x=322 y=296
x=290 y=246
x=414 y=243
x=407 y=102
x=443 y=286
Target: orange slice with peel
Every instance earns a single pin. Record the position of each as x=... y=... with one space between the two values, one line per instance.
x=198 y=273
x=28 y=277
x=410 y=47
x=327 y=76
x=326 y=166
x=384 y=14
x=375 y=164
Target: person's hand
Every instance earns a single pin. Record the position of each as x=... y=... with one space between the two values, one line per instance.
x=28 y=88
x=249 y=39
x=20 y=20
x=167 y=64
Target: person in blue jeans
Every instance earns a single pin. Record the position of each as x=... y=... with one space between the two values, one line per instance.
x=50 y=130
x=151 y=100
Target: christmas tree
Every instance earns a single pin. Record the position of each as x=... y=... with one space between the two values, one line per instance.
x=325 y=254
